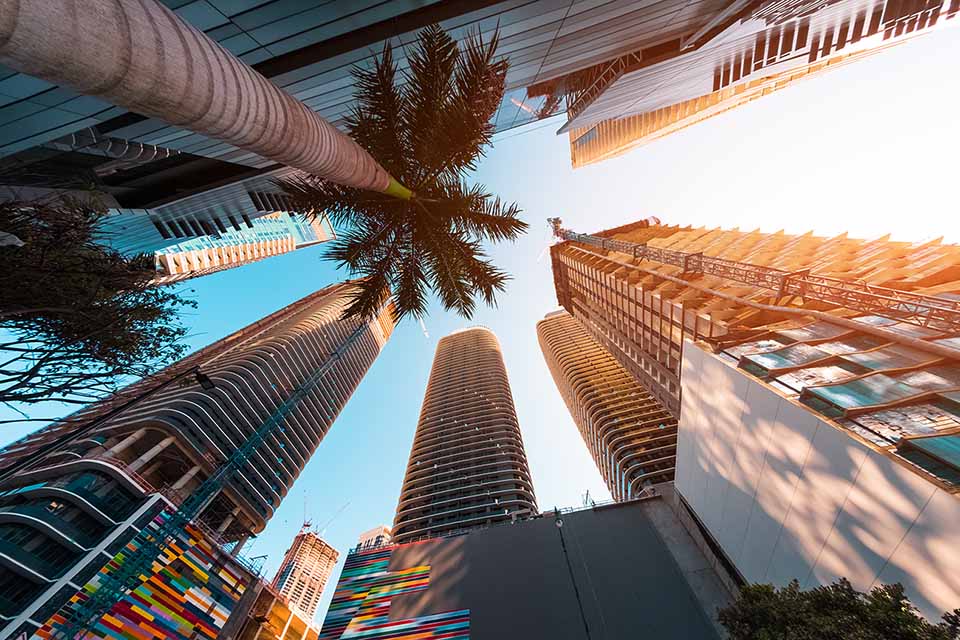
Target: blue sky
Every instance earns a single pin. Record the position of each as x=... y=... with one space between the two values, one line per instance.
x=871 y=148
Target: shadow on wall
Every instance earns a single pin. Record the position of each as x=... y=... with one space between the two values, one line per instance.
x=516 y=580
x=788 y=495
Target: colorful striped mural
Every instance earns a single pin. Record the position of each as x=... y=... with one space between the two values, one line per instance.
x=361 y=604
x=189 y=595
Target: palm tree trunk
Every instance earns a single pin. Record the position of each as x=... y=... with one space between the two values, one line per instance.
x=141 y=56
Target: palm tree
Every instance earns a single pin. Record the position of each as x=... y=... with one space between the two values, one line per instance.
x=429 y=132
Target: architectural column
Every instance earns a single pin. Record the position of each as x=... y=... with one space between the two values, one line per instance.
x=242 y=541
x=151 y=454
x=149 y=471
x=185 y=478
x=122 y=446
x=228 y=520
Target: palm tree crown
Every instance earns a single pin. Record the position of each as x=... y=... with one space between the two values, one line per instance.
x=428 y=132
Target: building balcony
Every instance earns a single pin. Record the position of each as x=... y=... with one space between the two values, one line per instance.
x=37 y=565
x=114 y=504
x=32 y=513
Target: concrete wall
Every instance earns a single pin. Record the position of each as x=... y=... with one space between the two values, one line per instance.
x=788 y=495
x=532 y=579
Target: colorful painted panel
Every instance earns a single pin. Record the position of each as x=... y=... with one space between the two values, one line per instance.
x=361 y=604
x=189 y=595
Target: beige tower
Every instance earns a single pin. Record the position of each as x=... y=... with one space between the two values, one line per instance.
x=304 y=571
x=467 y=467
x=631 y=437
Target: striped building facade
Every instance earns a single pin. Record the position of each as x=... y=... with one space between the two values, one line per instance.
x=467 y=467
x=75 y=491
x=631 y=437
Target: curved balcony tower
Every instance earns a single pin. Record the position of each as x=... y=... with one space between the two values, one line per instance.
x=467 y=467
x=59 y=513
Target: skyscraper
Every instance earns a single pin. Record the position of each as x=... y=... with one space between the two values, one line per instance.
x=739 y=54
x=304 y=571
x=631 y=437
x=73 y=499
x=815 y=381
x=467 y=467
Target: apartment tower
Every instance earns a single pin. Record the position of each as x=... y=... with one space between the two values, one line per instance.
x=816 y=383
x=83 y=482
x=738 y=55
x=304 y=572
x=467 y=467
x=631 y=437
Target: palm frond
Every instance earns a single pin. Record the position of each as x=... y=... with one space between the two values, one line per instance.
x=376 y=121
x=430 y=85
x=479 y=213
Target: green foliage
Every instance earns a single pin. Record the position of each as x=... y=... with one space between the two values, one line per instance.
x=76 y=317
x=832 y=612
x=428 y=131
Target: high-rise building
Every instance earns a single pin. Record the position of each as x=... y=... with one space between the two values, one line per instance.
x=79 y=488
x=746 y=51
x=815 y=381
x=304 y=571
x=631 y=437
x=467 y=467
x=375 y=537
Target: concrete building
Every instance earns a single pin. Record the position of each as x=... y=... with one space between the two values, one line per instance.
x=467 y=467
x=620 y=570
x=747 y=50
x=815 y=381
x=77 y=491
x=304 y=571
x=375 y=537
x=631 y=437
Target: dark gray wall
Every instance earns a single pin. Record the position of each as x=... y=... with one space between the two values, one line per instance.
x=516 y=583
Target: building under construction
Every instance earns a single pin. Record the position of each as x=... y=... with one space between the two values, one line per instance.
x=817 y=385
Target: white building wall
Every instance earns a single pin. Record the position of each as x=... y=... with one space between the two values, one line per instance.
x=788 y=495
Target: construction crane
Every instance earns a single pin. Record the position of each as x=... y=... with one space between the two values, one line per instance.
x=326 y=524
x=915 y=308
x=114 y=586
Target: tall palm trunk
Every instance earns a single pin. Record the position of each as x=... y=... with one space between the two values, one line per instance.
x=141 y=56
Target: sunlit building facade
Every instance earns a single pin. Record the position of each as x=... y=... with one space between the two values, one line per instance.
x=815 y=381
x=304 y=572
x=375 y=537
x=467 y=467
x=631 y=437
x=78 y=493
x=742 y=53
